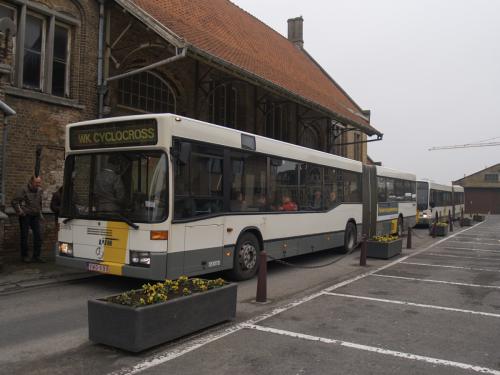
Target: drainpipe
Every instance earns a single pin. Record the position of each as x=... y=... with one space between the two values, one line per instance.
x=7 y=111
x=101 y=86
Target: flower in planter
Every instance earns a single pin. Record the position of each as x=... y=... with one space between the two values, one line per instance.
x=442 y=224
x=385 y=239
x=150 y=294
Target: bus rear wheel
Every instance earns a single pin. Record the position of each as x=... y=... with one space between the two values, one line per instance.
x=246 y=257
x=350 y=237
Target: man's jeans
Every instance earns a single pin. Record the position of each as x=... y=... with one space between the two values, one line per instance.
x=25 y=223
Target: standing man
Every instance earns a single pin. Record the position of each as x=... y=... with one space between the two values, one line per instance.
x=28 y=206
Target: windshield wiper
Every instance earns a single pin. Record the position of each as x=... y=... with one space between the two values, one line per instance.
x=118 y=216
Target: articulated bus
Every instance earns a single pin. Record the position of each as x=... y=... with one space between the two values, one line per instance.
x=436 y=201
x=159 y=196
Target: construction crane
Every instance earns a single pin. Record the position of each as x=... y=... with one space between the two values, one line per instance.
x=482 y=143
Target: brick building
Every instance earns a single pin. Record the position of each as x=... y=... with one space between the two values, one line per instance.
x=72 y=60
x=482 y=191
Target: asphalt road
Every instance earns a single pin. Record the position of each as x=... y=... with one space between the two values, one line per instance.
x=436 y=311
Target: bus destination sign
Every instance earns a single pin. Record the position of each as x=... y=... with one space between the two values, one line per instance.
x=114 y=134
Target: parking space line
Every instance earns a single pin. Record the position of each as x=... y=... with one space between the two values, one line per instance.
x=470 y=237
x=374 y=349
x=170 y=354
x=461 y=256
x=477 y=243
x=437 y=281
x=406 y=303
x=455 y=267
x=468 y=248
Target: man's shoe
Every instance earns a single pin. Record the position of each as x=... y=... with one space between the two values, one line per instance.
x=38 y=260
x=26 y=260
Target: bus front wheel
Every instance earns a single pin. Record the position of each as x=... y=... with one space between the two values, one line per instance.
x=350 y=237
x=246 y=257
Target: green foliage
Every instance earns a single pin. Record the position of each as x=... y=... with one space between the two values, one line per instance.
x=158 y=292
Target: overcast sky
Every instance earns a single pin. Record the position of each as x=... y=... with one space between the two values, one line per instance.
x=428 y=70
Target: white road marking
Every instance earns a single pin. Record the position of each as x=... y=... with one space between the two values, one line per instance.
x=468 y=248
x=461 y=256
x=455 y=267
x=374 y=349
x=477 y=243
x=437 y=281
x=470 y=237
x=191 y=345
x=406 y=303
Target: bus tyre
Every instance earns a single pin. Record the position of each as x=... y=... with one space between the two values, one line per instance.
x=350 y=238
x=246 y=257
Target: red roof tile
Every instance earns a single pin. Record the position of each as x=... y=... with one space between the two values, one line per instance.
x=225 y=31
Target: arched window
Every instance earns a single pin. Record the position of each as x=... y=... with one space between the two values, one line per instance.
x=147 y=92
x=310 y=138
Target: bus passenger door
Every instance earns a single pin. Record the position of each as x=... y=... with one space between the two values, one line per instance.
x=203 y=244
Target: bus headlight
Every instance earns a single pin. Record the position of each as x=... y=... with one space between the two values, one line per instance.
x=140 y=258
x=66 y=249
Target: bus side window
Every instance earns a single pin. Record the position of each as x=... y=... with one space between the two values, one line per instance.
x=381 y=189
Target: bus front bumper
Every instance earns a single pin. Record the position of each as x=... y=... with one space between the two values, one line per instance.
x=156 y=271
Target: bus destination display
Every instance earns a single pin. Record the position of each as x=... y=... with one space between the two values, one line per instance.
x=114 y=134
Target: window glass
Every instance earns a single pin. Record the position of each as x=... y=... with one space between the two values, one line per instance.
x=334 y=188
x=310 y=190
x=116 y=185
x=391 y=194
x=147 y=92
x=422 y=196
x=381 y=189
x=6 y=12
x=352 y=186
x=284 y=185
x=60 y=61
x=32 y=52
x=198 y=181
x=399 y=193
x=248 y=188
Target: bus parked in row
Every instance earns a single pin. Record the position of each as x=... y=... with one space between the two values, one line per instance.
x=437 y=202
x=159 y=196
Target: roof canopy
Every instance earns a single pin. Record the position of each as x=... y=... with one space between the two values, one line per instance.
x=224 y=32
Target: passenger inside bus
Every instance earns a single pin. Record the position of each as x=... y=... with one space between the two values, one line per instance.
x=238 y=202
x=316 y=201
x=287 y=204
x=108 y=188
x=332 y=199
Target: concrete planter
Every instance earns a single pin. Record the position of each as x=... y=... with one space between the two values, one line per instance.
x=441 y=231
x=384 y=250
x=138 y=328
x=466 y=222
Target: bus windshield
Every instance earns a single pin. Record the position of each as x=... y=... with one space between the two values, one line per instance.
x=422 y=196
x=124 y=186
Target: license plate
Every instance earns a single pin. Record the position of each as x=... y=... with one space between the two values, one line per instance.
x=97 y=267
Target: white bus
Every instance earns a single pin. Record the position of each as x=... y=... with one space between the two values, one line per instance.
x=159 y=196
x=437 y=201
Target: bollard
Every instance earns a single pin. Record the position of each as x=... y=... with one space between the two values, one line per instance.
x=434 y=229
x=451 y=221
x=362 y=255
x=262 y=278
x=408 y=240
x=461 y=218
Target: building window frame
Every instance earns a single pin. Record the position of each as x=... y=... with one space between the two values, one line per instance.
x=14 y=38
x=122 y=103
x=67 y=67
x=50 y=20
x=41 y=81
